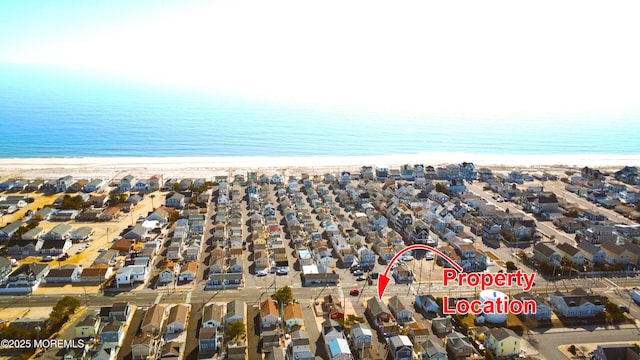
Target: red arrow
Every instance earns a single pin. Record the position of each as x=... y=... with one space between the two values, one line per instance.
x=383 y=279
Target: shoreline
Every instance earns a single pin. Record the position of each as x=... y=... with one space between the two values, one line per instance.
x=207 y=166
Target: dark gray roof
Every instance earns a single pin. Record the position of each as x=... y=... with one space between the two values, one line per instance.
x=376 y=306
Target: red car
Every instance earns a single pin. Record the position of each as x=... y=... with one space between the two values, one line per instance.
x=354 y=292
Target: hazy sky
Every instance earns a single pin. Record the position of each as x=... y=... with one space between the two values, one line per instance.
x=417 y=56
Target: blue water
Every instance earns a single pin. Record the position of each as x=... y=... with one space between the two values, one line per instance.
x=47 y=112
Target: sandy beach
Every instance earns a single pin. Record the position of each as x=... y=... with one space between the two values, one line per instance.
x=210 y=166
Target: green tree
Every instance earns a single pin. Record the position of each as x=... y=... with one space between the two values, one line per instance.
x=152 y=196
x=176 y=186
x=236 y=330
x=283 y=296
x=63 y=309
x=174 y=216
x=71 y=203
x=511 y=266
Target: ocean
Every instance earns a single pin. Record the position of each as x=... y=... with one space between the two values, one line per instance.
x=48 y=112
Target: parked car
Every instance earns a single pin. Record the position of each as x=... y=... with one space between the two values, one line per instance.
x=357 y=272
x=354 y=292
x=47 y=258
x=361 y=278
x=374 y=275
x=624 y=308
x=407 y=257
x=102 y=249
x=429 y=255
x=261 y=273
x=355 y=268
x=80 y=249
x=282 y=271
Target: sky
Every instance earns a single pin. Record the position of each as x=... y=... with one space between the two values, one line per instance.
x=406 y=56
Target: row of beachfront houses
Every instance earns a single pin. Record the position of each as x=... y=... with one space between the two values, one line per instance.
x=37 y=242
x=586 y=253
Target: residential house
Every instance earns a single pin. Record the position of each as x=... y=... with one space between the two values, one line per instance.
x=300 y=346
x=426 y=303
x=144 y=347
x=88 y=327
x=441 y=326
x=127 y=183
x=570 y=253
x=153 y=319
x=236 y=350
x=431 y=350
x=171 y=350
x=95 y=275
x=502 y=342
x=236 y=311
x=175 y=200
x=634 y=253
x=19 y=249
x=403 y=274
x=401 y=309
x=107 y=258
x=293 y=317
x=615 y=254
x=332 y=307
x=99 y=352
x=168 y=272
x=112 y=332
x=338 y=349
x=55 y=247
x=63 y=183
x=269 y=315
x=592 y=254
x=123 y=246
x=7 y=232
x=27 y=275
x=380 y=317
x=568 y=224
x=95 y=185
x=120 y=311
x=270 y=340
x=418 y=332
x=109 y=214
x=236 y=265
x=331 y=330
x=81 y=233
x=212 y=316
x=155 y=182
x=543 y=308
x=5 y=268
x=64 y=275
x=59 y=232
x=160 y=215
x=177 y=319
x=361 y=336
x=224 y=280
x=459 y=346
x=188 y=271
x=546 y=253
x=33 y=234
x=138 y=233
x=616 y=351
x=208 y=339
x=400 y=347
x=577 y=303
x=130 y=274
